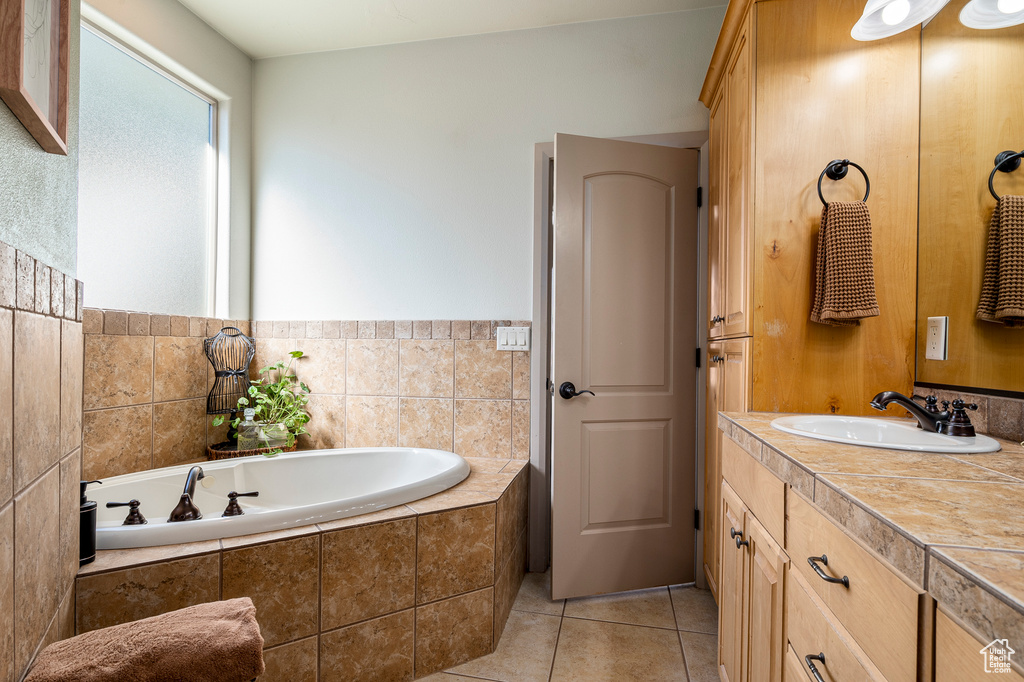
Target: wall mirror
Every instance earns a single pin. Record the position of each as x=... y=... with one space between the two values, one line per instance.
x=972 y=99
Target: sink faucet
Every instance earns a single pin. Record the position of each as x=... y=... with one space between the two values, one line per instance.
x=929 y=421
x=185 y=510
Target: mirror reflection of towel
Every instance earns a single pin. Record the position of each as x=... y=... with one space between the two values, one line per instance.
x=844 y=290
x=1002 y=288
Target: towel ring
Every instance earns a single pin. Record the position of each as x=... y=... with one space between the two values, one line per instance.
x=1006 y=162
x=837 y=170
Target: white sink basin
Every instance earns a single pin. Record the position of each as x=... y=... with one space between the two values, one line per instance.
x=880 y=433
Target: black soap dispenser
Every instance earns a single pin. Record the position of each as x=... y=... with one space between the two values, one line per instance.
x=87 y=527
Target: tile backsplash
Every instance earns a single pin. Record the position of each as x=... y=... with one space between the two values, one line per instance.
x=996 y=416
x=40 y=456
x=414 y=383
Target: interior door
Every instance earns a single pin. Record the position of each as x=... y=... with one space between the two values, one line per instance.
x=624 y=326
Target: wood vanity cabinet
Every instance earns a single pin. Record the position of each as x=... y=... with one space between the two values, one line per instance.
x=958 y=656
x=753 y=566
x=728 y=373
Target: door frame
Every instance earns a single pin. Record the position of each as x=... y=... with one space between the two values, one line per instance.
x=539 y=548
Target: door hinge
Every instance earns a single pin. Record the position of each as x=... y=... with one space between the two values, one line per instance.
x=699 y=354
x=696 y=519
x=700 y=197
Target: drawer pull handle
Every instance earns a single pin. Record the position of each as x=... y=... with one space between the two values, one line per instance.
x=809 y=660
x=813 y=561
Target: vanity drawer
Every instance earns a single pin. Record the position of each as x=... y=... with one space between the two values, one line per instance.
x=879 y=607
x=794 y=670
x=812 y=629
x=958 y=656
x=762 y=493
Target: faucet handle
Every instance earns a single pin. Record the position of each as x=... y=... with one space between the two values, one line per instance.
x=135 y=517
x=959 y=423
x=233 y=508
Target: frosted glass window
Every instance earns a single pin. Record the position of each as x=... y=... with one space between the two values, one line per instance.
x=146 y=186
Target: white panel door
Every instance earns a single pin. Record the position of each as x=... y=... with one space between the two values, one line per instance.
x=624 y=326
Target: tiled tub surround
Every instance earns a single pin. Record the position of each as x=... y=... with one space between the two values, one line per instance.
x=395 y=594
x=146 y=380
x=953 y=524
x=427 y=383
x=997 y=416
x=40 y=456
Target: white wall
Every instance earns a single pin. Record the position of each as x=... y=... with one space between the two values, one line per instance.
x=396 y=182
x=173 y=37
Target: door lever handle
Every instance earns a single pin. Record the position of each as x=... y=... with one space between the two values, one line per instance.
x=567 y=390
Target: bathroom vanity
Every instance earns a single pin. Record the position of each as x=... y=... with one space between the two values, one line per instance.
x=866 y=563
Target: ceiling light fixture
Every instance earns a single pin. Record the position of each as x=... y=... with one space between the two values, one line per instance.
x=884 y=18
x=987 y=14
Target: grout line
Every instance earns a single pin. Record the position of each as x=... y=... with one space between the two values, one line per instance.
x=682 y=649
x=558 y=638
x=672 y=604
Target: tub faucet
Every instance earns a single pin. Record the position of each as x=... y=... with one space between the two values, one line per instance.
x=929 y=421
x=186 y=510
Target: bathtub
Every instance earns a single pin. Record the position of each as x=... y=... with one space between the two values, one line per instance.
x=296 y=489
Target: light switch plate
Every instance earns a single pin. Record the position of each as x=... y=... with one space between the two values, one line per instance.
x=513 y=338
x=935 y=343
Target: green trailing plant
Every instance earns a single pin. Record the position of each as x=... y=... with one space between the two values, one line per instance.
x=278 y=397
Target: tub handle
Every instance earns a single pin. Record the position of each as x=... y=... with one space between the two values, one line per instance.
x=135 y=517
x=234 y=509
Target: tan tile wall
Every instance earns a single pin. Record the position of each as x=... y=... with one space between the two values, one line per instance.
x=40 y=456
x=395 y=594
x=412 y=383
x=146 y=381
x=425 y=383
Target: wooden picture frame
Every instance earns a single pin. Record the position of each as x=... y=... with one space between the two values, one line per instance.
x=34 y=37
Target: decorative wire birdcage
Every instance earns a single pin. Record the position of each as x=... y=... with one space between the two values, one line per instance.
x=230 y=353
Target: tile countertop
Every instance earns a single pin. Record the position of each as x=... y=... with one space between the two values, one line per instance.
x=953 y=524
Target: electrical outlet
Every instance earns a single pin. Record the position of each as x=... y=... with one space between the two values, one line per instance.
x=935 y=344
x=513 y=338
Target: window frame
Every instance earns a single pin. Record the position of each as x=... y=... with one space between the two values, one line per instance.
x=213 y=226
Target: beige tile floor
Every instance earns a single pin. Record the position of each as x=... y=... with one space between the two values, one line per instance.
x=665 y=633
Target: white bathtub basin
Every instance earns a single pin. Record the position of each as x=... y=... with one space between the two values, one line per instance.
x=296 y=489
x=881 y=433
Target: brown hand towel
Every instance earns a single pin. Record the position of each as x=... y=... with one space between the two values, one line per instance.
x=215 y=642
x=845 y=272
x=1002 y=288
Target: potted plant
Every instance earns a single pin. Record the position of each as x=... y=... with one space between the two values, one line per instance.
x=279 y=400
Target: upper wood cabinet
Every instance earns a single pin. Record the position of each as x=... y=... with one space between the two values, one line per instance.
x=730 y=185
x=788 y=91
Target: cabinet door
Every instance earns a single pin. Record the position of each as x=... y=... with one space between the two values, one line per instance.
x=712 y=468
x=717 y=192
x=766 y=566
x=734 y=385
x=736 y=263
x=730 y=594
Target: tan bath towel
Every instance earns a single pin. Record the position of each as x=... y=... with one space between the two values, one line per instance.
x=1002 y=288
x=844 y=290
x=215 y=642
